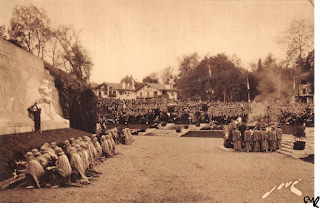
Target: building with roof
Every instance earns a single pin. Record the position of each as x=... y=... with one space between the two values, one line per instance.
x=305 y=88
x=152 y=90
x=115 y=90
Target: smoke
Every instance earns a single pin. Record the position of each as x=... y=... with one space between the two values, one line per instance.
x=275 y=88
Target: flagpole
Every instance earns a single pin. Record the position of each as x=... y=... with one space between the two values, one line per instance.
x=248 y=87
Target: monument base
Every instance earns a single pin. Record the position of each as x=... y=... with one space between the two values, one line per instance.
x=48 y=125
x=27 y=125
x=16 y=127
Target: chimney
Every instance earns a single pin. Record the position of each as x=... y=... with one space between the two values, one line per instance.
x=123 y=85
x=133 y=84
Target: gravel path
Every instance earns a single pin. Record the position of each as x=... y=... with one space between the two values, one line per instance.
x=183 y=169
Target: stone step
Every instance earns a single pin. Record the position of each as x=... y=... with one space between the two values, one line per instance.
x=286 y=150
x=287 y=146
x=285 y=153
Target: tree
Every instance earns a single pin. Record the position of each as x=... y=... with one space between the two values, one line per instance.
x=75 y=58
x=54 y=51
x=152 y=78
x=167 y=76
x=298 y=40
x=184 y=81
x=30 y=27
x=269 y=61
x=260 y=67
x=128 y=80
x=226 y=82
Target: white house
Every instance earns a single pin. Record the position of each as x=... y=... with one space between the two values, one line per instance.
x=115 y=90
x=152 y=90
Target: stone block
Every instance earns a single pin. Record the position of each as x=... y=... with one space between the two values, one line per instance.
x=21 y=74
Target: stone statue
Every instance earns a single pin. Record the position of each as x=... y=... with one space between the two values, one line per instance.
x=45 y=103
x=45 y=92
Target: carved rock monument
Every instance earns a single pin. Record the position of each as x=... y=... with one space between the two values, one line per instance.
x=24 y=81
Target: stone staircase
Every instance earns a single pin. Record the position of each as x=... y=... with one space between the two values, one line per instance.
x=287 y=145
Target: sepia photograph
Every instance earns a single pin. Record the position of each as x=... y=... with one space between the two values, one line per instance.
x=157 y=101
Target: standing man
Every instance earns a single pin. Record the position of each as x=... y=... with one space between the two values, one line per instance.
x=264 y=139
x=242 y=129
x=237 y=140
x=279 y=137
x=272 y=139
x=247 y=140
x=34 y=113
x=256 y=140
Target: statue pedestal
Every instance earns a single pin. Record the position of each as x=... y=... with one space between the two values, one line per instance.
x=11 y=123
x=48 y=125
x=50 y=119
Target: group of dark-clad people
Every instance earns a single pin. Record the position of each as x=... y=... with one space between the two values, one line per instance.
x=72 y=164
x=257 y=139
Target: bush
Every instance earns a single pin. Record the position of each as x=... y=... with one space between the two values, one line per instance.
x=77 y=100
x=299 y=145
x=299 y=132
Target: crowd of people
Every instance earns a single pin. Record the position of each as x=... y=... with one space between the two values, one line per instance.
x=113 y=111
x=73 y=163
x=260 y=138
x=155 y=110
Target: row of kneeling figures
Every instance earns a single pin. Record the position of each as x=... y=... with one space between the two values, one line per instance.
x=72 y=164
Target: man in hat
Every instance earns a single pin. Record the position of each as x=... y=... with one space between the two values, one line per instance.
x=264 y=139
x=34 y=172
x=247 y=139
x=256 y=139
x=46 y=157
x=98 y=148
x=279 y=137
x=60 y=174
x=78 y=171
x=236 y=140
x=66 y=148
x=53 y=145
x=72 y=142
x=272 y=139
x=105 y=146
x=43 y=162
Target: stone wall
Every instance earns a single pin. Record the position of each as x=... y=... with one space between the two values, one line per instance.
x=21 y=74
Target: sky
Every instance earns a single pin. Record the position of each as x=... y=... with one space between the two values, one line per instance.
x=138 y=37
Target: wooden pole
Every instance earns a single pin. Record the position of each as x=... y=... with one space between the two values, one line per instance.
x=248 y=87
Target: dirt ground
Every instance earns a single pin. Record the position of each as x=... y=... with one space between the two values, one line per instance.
x=183 y=169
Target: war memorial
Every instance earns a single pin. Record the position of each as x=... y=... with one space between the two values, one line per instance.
x=214 y=133
x=24 y=82
x=199 y=148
